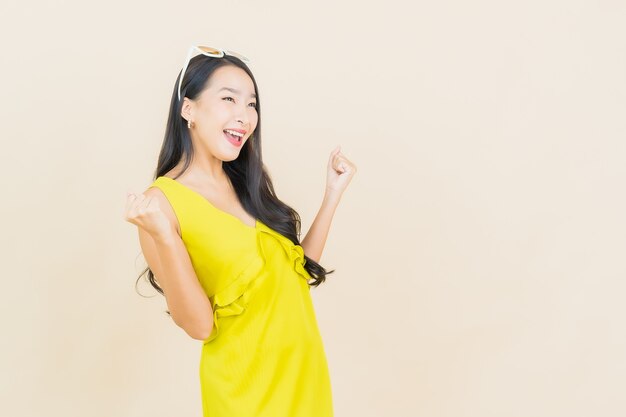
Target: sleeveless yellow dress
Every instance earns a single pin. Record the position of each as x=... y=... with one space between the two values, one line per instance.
x=264 y=356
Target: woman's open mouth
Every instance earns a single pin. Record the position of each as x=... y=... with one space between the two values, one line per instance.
x=234 y=139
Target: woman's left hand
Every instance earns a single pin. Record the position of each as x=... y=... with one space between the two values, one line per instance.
x=340 y=172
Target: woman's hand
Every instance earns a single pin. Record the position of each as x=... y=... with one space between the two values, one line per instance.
x=145 y=212
x=340 y=172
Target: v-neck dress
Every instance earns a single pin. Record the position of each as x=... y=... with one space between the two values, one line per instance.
x=265 y=356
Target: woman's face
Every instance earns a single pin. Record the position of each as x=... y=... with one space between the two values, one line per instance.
x=227 y=103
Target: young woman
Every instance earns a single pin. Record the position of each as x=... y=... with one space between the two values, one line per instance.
x=225 y=251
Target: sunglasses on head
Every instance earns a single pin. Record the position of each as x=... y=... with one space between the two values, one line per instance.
x=208 y=51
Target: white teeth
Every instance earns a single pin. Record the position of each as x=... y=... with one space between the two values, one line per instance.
x=232 y=132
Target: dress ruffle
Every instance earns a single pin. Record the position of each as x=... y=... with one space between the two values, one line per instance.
x=294 y=252
x=233 y=300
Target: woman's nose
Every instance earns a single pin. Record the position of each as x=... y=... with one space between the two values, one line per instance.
x=243 y=119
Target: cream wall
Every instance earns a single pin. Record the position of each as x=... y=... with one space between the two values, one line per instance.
x=478 y=250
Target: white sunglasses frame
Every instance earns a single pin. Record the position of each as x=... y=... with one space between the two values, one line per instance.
x=196 y=48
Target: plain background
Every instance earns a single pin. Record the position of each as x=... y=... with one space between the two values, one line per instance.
x=479 y=250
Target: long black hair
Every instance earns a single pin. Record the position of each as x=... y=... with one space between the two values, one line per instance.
x=247 y=173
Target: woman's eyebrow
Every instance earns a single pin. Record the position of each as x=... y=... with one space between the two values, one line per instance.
x=234 y=90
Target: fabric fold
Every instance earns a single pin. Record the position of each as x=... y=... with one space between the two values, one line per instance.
x=233 y=299
x=294 y=252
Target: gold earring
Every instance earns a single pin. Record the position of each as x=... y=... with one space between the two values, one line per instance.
x=189 y=124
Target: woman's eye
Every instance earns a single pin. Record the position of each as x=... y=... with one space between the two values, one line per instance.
x=226 y=98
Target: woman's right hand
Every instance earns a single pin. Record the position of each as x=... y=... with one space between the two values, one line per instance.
x=145 y=212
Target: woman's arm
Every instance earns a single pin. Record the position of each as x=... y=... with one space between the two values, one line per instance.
x=169 y=260
x=315 y=240
x=340 y=171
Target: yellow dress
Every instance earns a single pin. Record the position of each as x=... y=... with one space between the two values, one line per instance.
x=264 y=356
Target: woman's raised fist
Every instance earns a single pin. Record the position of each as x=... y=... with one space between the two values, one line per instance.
x=145 y=212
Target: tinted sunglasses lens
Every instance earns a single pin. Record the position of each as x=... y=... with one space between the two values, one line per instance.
x=209 y=50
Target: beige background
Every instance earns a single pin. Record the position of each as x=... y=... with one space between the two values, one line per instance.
x=479 y=248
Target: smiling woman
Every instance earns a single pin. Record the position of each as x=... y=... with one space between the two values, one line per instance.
x=224 y=250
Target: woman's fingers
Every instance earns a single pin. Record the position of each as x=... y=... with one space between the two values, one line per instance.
x=147 y=205
x=343 y=164
x=134 y=205
x=130 y=198
x=333 y=154
x=143 y=206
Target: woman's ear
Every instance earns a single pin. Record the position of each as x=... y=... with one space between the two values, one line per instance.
x=187 y=110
